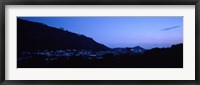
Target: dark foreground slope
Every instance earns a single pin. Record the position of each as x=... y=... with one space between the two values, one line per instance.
x=38 y=36
x=155 y=58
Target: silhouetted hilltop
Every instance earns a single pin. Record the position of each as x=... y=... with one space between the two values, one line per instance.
x=38 y=36
x=136 y=49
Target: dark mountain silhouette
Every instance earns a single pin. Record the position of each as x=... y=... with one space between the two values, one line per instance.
x=38 y=36
x=136 y=49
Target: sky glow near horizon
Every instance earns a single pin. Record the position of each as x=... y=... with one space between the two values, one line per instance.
x=122 y=31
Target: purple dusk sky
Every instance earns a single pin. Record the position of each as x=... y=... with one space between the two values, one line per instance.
x=121 y=31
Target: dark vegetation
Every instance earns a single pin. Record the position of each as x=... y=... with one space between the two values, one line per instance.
x=33 y=36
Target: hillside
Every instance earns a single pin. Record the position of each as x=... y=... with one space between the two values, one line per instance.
x=136 y=49
x=171 y=57
x=38 y=36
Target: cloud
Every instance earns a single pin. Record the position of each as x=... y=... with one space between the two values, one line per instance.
x=169 y=28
